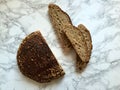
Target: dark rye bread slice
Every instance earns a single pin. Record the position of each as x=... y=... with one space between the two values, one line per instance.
x=36 y=60
x=58 y=18
x=78 y=42
x=81 y=65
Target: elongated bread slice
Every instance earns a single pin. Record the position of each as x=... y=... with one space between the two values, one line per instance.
x=87 y=37
x=36 y=60
x=58 y=18
x=78 y=42
x=81 y=65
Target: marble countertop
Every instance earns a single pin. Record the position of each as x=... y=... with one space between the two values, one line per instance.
x=19 y=18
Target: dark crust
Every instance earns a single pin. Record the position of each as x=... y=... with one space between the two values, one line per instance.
x=36 y=61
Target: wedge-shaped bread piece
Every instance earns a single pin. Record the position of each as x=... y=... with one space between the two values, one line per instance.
x=36 y=61
x=77 y=40
x=58 y=18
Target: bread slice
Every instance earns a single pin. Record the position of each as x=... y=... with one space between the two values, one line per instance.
x=58 y=18
x=78 y=42
x=87 y=37
x=81 y=65
x=36 y=60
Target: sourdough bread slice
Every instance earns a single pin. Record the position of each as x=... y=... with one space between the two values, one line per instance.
x=78 y=42
x=36 y=60
x=58 y=18
x=81 y=65
x=87 y=37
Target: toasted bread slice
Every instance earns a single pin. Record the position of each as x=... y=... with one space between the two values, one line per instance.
x=58 y=18
x=77 y=40
x=36 y=60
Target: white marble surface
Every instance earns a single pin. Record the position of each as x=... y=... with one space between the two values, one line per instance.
x=18 y=18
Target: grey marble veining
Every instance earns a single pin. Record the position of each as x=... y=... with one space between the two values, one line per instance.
x=19 y=18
